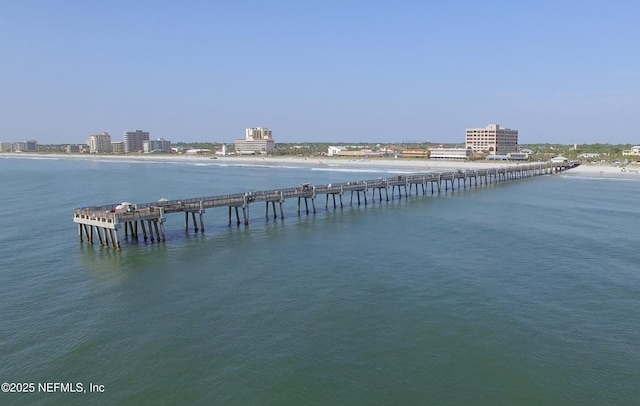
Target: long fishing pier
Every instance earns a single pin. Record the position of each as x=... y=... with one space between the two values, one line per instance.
x=146 y=220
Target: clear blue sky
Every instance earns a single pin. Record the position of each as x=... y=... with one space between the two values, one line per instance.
x=353 y=71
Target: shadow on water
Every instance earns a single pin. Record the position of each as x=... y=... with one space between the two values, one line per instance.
x=116 y=265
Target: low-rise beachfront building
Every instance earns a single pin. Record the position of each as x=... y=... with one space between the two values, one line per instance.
x=492 y=139
x=346 y=152
x=117 y=147
x=634 y=151
x=587 y=155
x=99 y=143
x=73 y=149
x=494 y=157
x=198 y=151
x=559 y=160
x=334 y=151
x=222 y=151
x=258 y=140
x=342 y=151
x=451 y=153
x=155 y=146
x=518 y=156
x=511 y=156
x=415 y=153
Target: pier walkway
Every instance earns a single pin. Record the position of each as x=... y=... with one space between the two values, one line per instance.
x=146 y=220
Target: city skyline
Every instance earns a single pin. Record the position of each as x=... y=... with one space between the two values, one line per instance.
x=559 y=72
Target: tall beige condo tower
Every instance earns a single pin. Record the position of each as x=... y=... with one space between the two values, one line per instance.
x=258 y=140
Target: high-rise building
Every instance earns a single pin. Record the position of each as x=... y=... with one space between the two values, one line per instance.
x=134 y=141
x=492 y=139
x=26 y=146
x=258 y=140
x=99 y=143
x=6 y=146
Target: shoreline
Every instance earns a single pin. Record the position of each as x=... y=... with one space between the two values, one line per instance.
x=417 y=165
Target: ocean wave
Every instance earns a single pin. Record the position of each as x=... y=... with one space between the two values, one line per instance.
x=354 y=170
x=369 y=170
x=615 y=178
x=32 y=157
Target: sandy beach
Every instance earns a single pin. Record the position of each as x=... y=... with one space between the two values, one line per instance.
x=413 y=165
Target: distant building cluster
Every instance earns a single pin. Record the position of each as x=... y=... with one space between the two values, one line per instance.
x=23 y=146
x=492 y=142
x=132 y=142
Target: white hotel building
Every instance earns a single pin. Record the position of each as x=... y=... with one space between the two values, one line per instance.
x=492 y=139
x=257 y=140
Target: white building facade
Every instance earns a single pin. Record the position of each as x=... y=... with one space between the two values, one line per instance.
x=450 y=153
x=99 y=143
x=258 y=140
x=334 y=151
x=634 y=151
x=492 y=139
x=6 y=147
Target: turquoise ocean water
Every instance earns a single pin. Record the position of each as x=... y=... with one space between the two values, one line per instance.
x=522 y=293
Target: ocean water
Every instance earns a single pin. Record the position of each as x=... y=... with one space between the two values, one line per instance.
x=520 y=293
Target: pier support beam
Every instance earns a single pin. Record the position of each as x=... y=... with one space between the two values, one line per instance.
x=237 y=215
x=162 y=232
x=89 y=232
x=151 y=229
x=155 y=225
x=99 y=236
x=115 y=239
x=245 y=214
x=144 y=230
x=195 y=224
x=105 y=234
